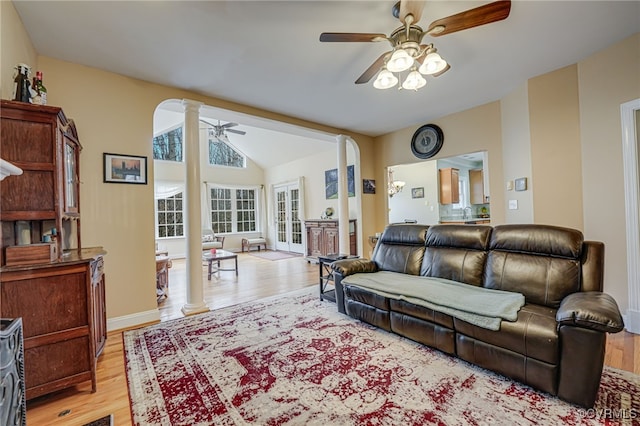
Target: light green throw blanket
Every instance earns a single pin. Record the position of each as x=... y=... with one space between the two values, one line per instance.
x=479 y=306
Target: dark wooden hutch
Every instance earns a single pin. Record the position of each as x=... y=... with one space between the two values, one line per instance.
x=47 y=278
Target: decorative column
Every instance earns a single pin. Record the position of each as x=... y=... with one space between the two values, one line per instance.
x=192 y=209
x=343 y=196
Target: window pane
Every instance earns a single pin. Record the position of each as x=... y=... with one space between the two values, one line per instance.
x=170 y=218
x=168 y=146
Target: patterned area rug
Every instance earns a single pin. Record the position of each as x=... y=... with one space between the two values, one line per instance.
x=274 y=255
x=293 y=360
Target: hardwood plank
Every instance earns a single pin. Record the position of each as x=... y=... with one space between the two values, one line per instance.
x=257 y=278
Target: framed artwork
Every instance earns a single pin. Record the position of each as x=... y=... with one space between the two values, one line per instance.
x=331 y=183
x=417 y=192
x=521 y=184
x=368 y=186
x=120 y=168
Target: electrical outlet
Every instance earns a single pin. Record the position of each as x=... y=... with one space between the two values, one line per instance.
x=513 y=204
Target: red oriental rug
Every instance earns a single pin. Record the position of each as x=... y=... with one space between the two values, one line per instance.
x=294 y=360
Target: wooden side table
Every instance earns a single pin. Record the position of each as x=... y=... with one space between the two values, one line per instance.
x=326 y=274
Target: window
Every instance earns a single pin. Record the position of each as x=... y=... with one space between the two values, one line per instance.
x=168 y=145
x=246 y=210
x=221 y=153
x=169 y=216
x=234 y=210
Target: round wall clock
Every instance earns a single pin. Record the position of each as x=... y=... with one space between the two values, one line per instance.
x=427 y=141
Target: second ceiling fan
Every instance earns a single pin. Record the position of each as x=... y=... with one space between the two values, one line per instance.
x=219 y=130
x=408 y=54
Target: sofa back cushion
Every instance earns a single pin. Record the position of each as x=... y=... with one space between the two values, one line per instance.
x=456 y=252
x=401 y=248
x=540 y=261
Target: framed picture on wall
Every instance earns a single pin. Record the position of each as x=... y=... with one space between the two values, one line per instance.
x=417 y=192
x=368 y=186
x=119 y=168
x=331 y=183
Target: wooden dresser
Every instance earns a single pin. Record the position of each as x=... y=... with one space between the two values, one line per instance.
x=323 y=237
x=47 y=278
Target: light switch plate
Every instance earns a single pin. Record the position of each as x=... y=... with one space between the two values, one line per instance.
x=509 y=185
x=513 y=204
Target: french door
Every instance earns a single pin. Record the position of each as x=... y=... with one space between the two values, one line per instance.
x=287 y=215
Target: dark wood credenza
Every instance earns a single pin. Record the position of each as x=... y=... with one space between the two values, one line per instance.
x=323 y=237
x=62 y=306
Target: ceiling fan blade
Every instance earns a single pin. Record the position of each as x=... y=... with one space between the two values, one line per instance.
x=226 y=126
x=240 y=132
x=373 y=69
x=351 y=37
x=411 y=7
x=482 y=15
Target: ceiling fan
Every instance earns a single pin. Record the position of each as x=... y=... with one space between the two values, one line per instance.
x=407 y=53
x=219 y=131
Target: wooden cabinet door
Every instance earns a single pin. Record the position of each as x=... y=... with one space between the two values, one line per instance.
x=332 y=241
x=449 y=186
x=315 y=241
x=476 y=184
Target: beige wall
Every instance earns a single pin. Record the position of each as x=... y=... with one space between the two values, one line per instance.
x=473 y=130
x=556 y=160
x=15 y=48
x=516 y=151
x=606 y=80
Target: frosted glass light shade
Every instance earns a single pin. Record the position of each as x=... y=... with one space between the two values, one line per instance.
x=414 y=81
x=385 y=80
x=432 y=64
x=400 y=61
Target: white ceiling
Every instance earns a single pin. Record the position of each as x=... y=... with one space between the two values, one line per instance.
x=267 y=53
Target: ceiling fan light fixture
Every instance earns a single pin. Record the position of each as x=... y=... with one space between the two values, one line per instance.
x=400 y=61
x=414 y=81
x=432 y=64
x=385 y=80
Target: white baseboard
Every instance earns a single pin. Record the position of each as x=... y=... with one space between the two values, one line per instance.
x=133 y=320
x=632 y=321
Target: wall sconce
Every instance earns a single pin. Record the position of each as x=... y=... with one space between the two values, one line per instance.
x=394 y=186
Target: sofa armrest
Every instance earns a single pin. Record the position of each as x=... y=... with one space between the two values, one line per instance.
x=590 y=309
x=353 y=266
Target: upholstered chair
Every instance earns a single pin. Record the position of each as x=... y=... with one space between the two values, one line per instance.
x=211 y=240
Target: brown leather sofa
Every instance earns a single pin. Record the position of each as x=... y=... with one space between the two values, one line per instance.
x=557 y=342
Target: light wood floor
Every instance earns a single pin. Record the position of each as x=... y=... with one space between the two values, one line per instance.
x=257 y=278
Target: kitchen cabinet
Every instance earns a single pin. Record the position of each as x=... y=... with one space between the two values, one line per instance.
x=323 y=238
x=476 y=184
x=449 y=187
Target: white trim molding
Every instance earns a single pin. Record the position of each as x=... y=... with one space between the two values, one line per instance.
x=632 y=207
x=133 y=320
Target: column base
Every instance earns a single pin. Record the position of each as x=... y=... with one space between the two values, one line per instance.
x=192 y=309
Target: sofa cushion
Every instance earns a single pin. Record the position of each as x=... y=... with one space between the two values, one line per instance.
x=534 y=334
x=401 y=248
x=456 y=252
x=542 y=262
